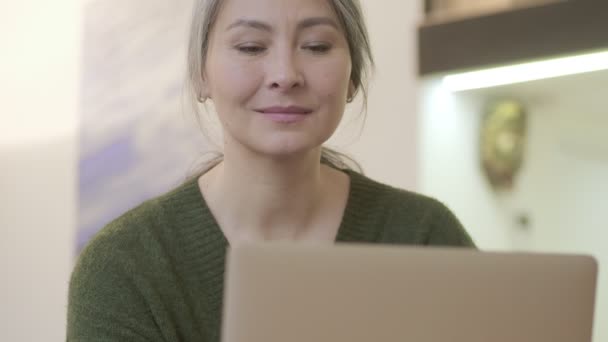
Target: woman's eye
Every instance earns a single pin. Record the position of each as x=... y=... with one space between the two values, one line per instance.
x=318 y=48
x=251 y=49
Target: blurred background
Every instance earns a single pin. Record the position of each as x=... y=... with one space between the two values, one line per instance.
x=496 y=107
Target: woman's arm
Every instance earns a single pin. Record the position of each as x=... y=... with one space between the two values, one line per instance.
x=105 y=302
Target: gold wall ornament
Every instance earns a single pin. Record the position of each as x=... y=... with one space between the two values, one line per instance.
x=502 y=142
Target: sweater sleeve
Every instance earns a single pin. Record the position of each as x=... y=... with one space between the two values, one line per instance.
x=104 y=302
x=446 y=229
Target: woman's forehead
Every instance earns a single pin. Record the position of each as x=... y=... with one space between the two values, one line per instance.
x=274 y=11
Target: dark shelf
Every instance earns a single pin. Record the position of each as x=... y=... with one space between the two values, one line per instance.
x=554 y=29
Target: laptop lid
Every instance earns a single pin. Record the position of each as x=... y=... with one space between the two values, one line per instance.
x=356 y=293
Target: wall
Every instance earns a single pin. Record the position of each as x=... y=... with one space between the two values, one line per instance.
x=562 y=187
x=387 y=146
x=38 y=86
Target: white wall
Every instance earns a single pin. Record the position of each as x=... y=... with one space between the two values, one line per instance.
x=387 y=148
x=562 y=187
x=449 y=168
x=39 y=58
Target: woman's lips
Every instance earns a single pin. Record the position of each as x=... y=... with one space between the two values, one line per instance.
x=289 y=114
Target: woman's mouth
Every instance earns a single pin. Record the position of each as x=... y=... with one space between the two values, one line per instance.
x=287 y=114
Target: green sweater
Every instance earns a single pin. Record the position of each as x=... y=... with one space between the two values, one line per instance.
x=156 y=273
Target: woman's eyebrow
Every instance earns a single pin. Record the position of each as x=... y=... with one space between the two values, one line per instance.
x=256 y=24
x=314 y=21
x=304 y=24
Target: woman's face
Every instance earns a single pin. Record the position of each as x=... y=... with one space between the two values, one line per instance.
x=278 y=72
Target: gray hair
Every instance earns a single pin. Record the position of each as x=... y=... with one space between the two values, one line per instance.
x=350 y=16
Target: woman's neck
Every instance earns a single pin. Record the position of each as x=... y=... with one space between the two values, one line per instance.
x=263 y=199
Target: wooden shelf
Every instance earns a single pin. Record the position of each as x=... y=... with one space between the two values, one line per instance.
x=561 y=28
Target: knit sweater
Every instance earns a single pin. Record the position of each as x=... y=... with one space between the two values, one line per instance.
x=156 y=273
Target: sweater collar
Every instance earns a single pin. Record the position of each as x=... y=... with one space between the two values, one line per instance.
x=204 y=245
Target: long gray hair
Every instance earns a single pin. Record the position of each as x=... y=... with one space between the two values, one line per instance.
x=351 y=19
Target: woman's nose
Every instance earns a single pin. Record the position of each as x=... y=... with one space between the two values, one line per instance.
x=283 y=72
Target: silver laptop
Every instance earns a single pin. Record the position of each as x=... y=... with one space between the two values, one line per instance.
x=357 y=293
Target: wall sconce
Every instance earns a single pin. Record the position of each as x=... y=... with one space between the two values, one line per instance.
x=502 y=142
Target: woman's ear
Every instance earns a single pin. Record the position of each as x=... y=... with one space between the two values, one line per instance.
x=204 y=92
x=352 y=90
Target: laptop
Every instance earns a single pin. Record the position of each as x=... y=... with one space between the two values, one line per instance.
x=280 y=292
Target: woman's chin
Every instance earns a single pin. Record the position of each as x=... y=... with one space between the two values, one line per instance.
x=287 y=148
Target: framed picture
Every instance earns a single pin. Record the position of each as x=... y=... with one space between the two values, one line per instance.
x=136 y=141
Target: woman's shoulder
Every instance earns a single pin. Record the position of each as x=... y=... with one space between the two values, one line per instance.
x=389 y=196
x=151 y=222
x=126 y=231
x=409 y=216
x=130 y=266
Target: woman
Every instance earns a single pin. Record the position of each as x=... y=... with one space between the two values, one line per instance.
x=279 y=73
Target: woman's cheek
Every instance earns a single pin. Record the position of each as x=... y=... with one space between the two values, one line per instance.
x=337 y=75
x=241 y=80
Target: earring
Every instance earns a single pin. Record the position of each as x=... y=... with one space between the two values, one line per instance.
x=350 y=96
x=201 y=99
